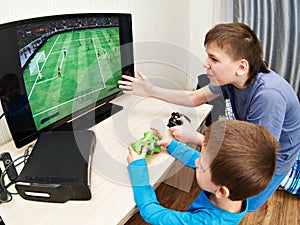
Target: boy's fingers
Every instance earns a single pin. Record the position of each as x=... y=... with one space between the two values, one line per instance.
x=130 y=78
x=144 y=150
x=142 y=76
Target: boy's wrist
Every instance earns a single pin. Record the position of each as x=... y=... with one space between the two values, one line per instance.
x=172 y=146
x=138 y=162
x=152 y=92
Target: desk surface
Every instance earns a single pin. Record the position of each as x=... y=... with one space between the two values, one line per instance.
x=112 y=197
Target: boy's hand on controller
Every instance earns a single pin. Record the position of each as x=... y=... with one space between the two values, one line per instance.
x=133 y=156
x=156 y=133
x=184 y=133
x=164 y=141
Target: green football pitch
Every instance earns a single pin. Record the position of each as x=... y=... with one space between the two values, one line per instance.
x=72 y=70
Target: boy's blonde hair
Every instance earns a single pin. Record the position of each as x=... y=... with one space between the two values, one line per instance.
x=243 y=156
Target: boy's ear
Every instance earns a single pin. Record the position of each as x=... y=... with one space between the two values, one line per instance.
x=222 y=192
x=243 y=67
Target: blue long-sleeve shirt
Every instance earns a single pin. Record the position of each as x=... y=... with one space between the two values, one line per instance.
x=201 y=211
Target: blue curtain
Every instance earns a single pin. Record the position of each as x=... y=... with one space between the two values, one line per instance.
x=277 y=24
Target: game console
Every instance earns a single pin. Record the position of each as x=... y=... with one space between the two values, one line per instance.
x=58 y=168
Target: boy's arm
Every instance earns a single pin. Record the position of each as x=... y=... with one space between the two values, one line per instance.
x=139 y=177
x=141 y=86
x=147 y=203
x=185 y=154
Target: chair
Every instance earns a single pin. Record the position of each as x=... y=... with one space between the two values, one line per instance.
x=218 y=103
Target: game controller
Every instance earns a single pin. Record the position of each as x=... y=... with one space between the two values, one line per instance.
x=150 y=141
x=174 y=119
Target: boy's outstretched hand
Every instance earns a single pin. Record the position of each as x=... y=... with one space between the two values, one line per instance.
x=140 y=87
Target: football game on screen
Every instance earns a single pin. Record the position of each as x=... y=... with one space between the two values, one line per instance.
x=70 y=69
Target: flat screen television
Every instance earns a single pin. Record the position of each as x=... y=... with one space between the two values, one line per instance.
x=59 y=69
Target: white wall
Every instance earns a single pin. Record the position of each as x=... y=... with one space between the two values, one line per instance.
x=168 y=34
x=204 y=15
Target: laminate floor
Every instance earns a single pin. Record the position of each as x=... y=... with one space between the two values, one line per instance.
x=281 y=209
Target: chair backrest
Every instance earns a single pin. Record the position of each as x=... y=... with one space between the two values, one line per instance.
x=218 y=103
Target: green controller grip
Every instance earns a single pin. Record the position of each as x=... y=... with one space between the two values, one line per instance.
x=149 y=141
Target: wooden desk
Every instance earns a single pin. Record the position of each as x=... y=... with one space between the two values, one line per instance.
x=112 y=197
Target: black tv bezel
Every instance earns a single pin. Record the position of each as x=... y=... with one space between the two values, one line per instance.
x=98 y=108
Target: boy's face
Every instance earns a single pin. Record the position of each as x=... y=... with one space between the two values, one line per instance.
x=203 y=175
x=221 y=69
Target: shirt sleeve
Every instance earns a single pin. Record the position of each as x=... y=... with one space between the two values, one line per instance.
x=264 y=112
x=149 y=207
x=215 y=89
x=185 y=154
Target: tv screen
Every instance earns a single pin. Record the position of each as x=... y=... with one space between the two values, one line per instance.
x=56 y=68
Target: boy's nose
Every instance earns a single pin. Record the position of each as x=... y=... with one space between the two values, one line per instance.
x=206 y=64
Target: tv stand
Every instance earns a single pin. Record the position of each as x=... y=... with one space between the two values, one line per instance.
x=91 y=118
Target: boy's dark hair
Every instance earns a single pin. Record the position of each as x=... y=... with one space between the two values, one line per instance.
x=243 y=156
x=240 y=42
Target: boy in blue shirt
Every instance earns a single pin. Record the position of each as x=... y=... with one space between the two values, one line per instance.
x=237 y=161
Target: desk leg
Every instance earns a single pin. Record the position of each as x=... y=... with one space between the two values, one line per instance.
x=183 y=179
